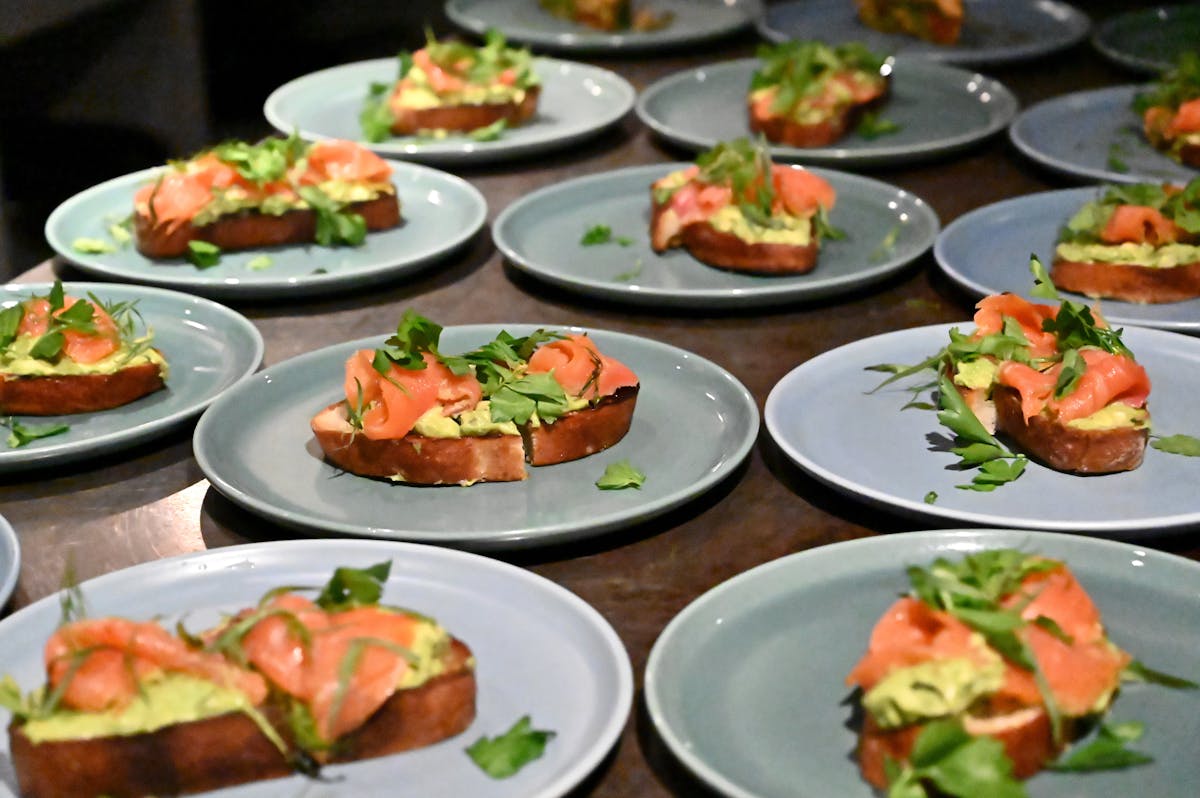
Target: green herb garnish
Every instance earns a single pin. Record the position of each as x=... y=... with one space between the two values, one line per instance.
x=501 y=757
x=259 y=262
x=620 y=475
x=1107 y=751
x=203 y=254
x=21 y=434
x=871 y=125
x=954 y=763
x=602 y=234
x=93 y=246
x=335 y=225
x=354 y=587
x=489 y=132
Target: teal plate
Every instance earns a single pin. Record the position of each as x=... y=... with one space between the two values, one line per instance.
x=886 y=227
x=987 y=251
x=256 y=448
x=1094 y=135
x=746 y=685
x=826 y=419
x=440 y=213
x=1151 y=39
x=940 y=110
x=10 y=560
x=993 y=31
x=693 y=22
x=539 y=650
x=208 y=348
x=577 y=101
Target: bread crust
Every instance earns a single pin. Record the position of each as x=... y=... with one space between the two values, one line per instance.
x=581 y=432
x=251 y=229
x=77 y=393
x=417 y=459
x=230 y=749
x=785 y=130
x=1065 y=448
x=727 y=251
x=464 y=118
x=1129 y=282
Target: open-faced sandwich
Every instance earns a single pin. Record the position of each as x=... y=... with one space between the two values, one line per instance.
x=1170 y=111
x=452 y=87
x=131 y=709
x=983 y=673
x=412 y=413
x=937 y=21
x=61 y=355
x=810 y=94
x=1139 y=243
x=280 y=191
x=735 y=209
x=608 y=15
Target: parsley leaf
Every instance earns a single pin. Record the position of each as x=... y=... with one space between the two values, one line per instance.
x=414 y=336
x=10 y=322
x=335 y=225
x=956 y=764
x=354 y=587
x=1107 y=751
x=1177 y=444
x=489 y=132
x=602 y=234
x=375 y=119
x=620 y=475
x=20 y=434
x=501 y=757
x=203 y=254
x=534 y=393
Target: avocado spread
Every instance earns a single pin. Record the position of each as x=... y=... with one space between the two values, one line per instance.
x=978 y=373
x=474 y=423
x=1114 y=416
x=236 y=198
x=792 y=230
x=16 y=360
x=416 y=92
x=934 y=689
x=1130 y=253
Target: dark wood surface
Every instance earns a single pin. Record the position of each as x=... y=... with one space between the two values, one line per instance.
x=153 y=502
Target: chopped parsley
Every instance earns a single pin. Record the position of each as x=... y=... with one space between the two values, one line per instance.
x=620 y=475
x=504 y=755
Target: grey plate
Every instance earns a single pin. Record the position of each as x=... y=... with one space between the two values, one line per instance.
x=865 y=445
x=257 y=449
x=208 y=347
x=10 y=560
x=1080 y=134
x=993 y=31
x=987 y=251
x=1151 y=39
x=939 y=109
x=540 y=234
x=539 y=649
x=524 y=21
x=746 y=684
x=440 y=213
x=577 y=101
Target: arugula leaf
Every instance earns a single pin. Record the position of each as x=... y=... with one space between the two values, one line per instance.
x=534 y=393
x=1137 y=671
x=1177 y=444
x=502 y=756
x=354 y=587
x=10 y=322
x=1107 y=751
x=334 y=224
x=620 y=475
x=203 y=254
x=1043 y=286
x=265 y=161
x=21 y=434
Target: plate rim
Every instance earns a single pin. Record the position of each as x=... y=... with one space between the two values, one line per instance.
x=970 y=285
x=587 y=615
x=489 y=540
x=752 y=296
x=1019 y=138
x=946 y=540
x=18 y=460
x=10 y=548
x=1080 y=25
x=1107 y=28
x=386 y=269
x=1121 y=530
x=466 y=151
x=833 y=155
x=598 y=42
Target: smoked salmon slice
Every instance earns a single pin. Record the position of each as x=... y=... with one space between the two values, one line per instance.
x=80 y=346
x=392 y=404
x=1139 y=224
x=992 y=310
x=580 y=368
x=1108 y=378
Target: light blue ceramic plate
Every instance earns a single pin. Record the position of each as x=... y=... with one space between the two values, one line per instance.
x=577 y=101
x=256 y=449
x=1150 y=39
x=440 y=213
x=987 y=251
x=746 y=684
x=10 y=560
x=1094 y=135
x=993 y=31
x=886 y=227
x=864 y=444
x=540 y=650
x=940 y=110
x=208 y=347
x=693 y=22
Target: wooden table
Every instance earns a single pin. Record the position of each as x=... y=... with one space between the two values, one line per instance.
x=153 y=501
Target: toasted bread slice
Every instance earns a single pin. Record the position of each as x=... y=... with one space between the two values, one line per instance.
x=417 y=459
x=1067 y=448
x=1128 y=282
x=77 y=393
x=251 y=229
x=937 y=21
x=581 y=432
x=785 y=130
x=231 y=749
x=464 y=118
